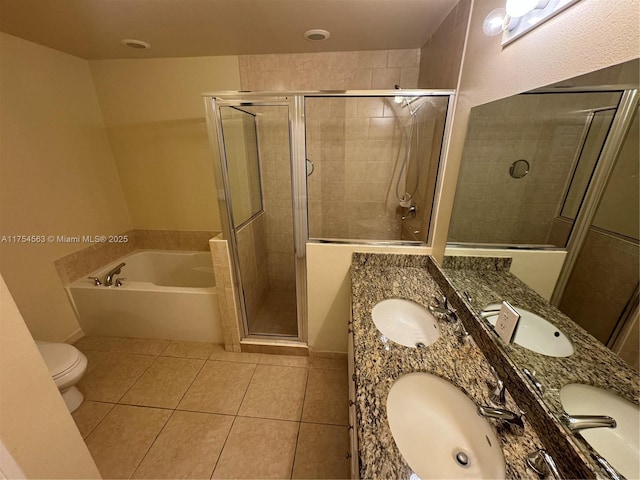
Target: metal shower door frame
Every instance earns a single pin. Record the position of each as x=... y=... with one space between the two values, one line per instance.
x=213 y=103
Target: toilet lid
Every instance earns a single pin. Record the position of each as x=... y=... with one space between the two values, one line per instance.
x=59 y=357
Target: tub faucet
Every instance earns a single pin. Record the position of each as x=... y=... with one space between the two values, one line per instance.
x=108 y=279
x=575 y=423
x=501 y=414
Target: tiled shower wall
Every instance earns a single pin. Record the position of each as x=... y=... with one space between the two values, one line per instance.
x=357 y=147
x=341 y=129
x=365 y=70
x=491 y=206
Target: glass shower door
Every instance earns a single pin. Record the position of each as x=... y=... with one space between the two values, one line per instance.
x=258 y=158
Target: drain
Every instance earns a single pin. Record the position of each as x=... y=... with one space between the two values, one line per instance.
x=420 y=345
x=462 y=459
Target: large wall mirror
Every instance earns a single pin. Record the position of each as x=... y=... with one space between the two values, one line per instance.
x=540 y=171
x=557 y=169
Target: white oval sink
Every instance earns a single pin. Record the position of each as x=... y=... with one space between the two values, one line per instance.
x=535 y=333
x=405 y=322
x=435 y=426
x=620 y=445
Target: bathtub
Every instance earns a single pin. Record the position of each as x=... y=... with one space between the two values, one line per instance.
x=165 y=295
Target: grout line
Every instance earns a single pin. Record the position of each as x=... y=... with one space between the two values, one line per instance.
x=223 y=445
x=304 y=398
x=85 y=437
x=137 y=378
x=191 y=384
x=152 y=444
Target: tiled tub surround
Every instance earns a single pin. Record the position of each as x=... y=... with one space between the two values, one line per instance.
x=376 y=277
x=77 y=264
x=488 y=281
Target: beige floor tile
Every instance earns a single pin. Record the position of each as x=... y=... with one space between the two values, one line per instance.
x=329 y=363
x=322 y=451
x=258 y=448
x=164 y=383
x=89 y=415
x=110 y=380
x=284 y=360
x=189 y=350
x=122 y=439
x=188 y=446
x=142 y=346
x=218 y=388
x=95 y=359
x=220 y=354
x=275 y=392
x=102 y=344
x=327 y=397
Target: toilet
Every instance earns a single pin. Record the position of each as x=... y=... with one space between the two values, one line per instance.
x=66 y=364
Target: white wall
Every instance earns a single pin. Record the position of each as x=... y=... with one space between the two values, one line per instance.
x=35 y=425
x=58 y=176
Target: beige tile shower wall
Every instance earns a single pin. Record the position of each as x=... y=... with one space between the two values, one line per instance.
x=227 y=295
x=440 y=57
x=490 y=205
x=357 y=146
x=361 y=70
x=252 y=253
x=275 y=163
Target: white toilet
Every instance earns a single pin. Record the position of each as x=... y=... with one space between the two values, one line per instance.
x=67 y=364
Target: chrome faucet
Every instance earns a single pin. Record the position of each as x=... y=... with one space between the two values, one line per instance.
x=440 y=307
x=575 y=423
x=543 y=464
x=498 y=394
x=501 y=414
x=108 y=279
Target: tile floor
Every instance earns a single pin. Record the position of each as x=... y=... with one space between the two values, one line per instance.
x=276 y=314
x=161 y=409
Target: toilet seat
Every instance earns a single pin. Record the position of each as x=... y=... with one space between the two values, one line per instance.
x=62 y=360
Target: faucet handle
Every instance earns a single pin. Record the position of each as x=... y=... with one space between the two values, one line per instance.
x=119 y=281
x=543 y=464
x=96 y=280
x=439 y=301
x=531 y=376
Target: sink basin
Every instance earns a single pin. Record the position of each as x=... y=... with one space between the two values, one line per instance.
x=536 y=334
x=405 y=322
x=619 y=445
x=437 y=430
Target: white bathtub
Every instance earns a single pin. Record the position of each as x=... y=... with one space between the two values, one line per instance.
x=166 y=295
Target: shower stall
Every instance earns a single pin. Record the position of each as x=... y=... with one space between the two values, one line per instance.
x=297 y=167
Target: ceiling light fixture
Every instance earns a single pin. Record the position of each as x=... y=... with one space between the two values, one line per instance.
x=138 y=44
x=316 y=35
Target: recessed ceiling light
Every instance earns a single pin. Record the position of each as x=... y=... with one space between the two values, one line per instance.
x=316 y=35
x=139 y=44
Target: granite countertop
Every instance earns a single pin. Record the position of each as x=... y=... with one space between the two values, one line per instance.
x=591 y=363
x=375 y=277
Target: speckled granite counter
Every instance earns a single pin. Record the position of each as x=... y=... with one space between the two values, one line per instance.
x=487 y=281
x=375 y=277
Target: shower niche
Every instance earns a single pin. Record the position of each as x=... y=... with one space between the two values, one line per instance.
x=342 y=167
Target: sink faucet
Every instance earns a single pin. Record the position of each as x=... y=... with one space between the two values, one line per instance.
x=108 y=279
x=440 y=307
x=501 y=414
x=543 y=464
x=575 y=423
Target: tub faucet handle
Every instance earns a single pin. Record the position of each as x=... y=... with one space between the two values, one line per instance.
x=118 y=282
x=96 y=281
